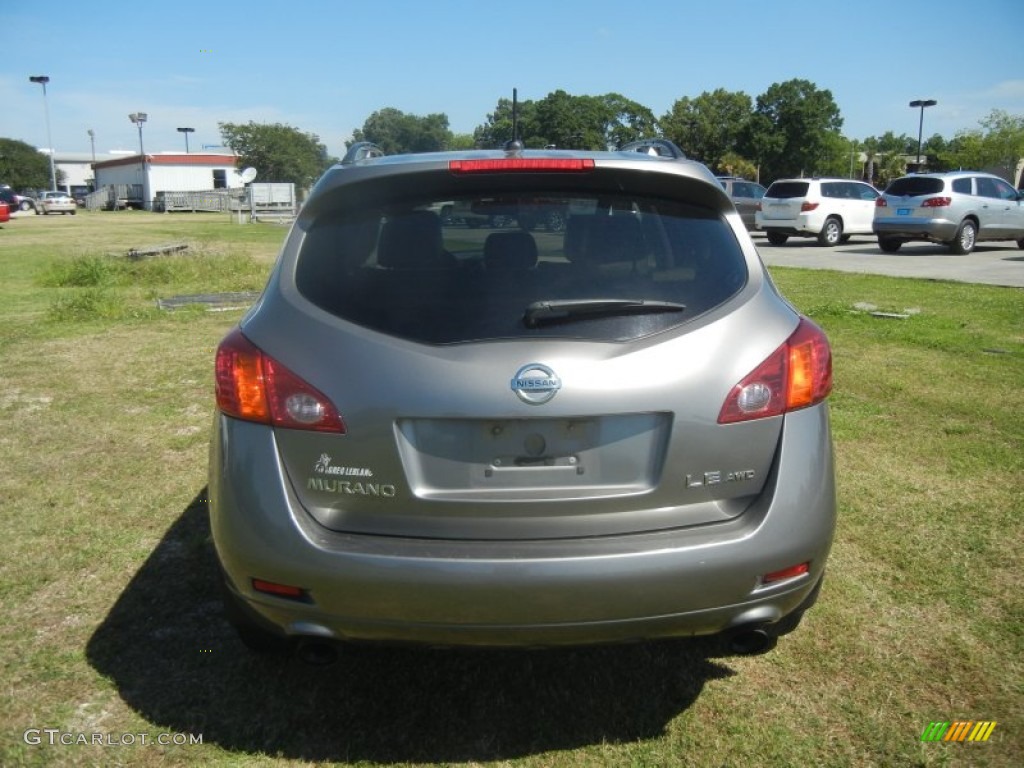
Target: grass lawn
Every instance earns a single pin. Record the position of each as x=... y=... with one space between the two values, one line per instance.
x=111 y=624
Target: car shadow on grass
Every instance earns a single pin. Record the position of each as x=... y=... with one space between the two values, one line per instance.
x=175 y=660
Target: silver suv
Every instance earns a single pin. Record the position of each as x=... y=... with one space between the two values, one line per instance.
x=829 y=209
x=957 y=209
x=434 y=434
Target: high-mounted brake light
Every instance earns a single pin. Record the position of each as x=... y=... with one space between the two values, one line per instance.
x=808 y=206
x=796 y=375
x=937 y=202
x=253 y=386
x=523 y=164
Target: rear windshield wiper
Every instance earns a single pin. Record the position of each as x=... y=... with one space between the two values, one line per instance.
x=562 y=310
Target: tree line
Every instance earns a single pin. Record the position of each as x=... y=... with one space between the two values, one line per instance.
x=793 y=129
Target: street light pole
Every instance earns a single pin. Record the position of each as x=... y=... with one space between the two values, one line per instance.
x=43 y=80
x=92 y=143
x=186 y=131
x=922 y=103
x=139 y=118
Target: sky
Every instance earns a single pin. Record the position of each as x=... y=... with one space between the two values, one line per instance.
x=325 y=67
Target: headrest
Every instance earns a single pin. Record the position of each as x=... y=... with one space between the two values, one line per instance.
x=510 y=251
x=412 y=240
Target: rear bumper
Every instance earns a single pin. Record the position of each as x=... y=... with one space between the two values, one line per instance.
x=934 y=230
x=801 y=226
x=687 y=581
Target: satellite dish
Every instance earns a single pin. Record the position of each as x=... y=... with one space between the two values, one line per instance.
x=248 y=175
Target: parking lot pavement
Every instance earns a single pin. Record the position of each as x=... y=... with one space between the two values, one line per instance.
x=999 y=263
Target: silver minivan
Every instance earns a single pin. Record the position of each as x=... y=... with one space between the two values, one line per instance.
x=444 y=434
x=957 y=209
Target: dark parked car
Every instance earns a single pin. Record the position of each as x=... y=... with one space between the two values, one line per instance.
x=15 y=201
x=450 y=436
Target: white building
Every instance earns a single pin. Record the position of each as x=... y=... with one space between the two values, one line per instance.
x=169 y=172
x=76 y=168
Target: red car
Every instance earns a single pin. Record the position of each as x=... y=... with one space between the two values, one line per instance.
x=5 y=214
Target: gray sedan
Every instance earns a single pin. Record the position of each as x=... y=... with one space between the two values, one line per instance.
x=57 y=202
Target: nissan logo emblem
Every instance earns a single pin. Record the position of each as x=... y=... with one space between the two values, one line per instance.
x=535 y=384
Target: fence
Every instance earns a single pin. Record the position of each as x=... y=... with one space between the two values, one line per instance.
x=210 y=200
x=266 y=200
x=114 y=196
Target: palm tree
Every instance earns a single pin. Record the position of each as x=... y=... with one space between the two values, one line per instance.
x=892 y=167
x=870 y=146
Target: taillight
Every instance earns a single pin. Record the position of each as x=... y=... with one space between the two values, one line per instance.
x=796 y=375
x=522 y=164
x=253 y=386
x=881 y=203
x=808 y=206
x=937 y=202
x=758 y=206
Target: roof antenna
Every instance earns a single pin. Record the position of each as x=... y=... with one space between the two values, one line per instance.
x=515 y=145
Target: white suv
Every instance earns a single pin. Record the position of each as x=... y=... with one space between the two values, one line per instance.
x=828 y=209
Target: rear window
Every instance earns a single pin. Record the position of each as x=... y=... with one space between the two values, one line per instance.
x=785 y=189
x=443 y=271
x=915 y=186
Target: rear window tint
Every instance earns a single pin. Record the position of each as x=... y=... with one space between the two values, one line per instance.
x=786 y=189
x=915 y=186
x=450 y=271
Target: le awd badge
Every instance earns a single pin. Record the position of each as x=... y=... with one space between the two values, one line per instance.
x=717 y=478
